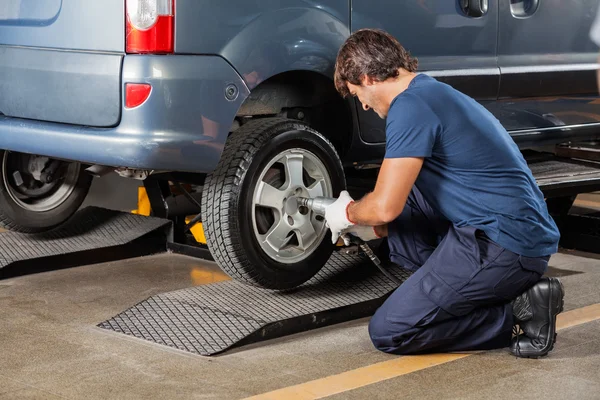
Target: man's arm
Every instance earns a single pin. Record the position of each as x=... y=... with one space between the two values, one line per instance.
x=410 y=137
x=386 y=202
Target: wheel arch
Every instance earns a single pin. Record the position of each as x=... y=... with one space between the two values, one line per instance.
x=306 y=96
x=289 y=39
x=287 y=58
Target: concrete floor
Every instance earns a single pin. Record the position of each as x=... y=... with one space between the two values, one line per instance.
x=50 y=347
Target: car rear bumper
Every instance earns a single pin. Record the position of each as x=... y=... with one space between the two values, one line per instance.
x=182 y=126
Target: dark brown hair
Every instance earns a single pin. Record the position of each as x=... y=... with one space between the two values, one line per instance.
x=371 y=52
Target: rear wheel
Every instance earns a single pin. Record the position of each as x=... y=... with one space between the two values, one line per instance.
x=254 y=227
x=38 y=193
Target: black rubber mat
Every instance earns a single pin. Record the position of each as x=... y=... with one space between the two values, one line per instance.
x=211 y=318
x=91 y=228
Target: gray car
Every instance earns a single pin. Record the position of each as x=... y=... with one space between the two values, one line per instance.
x=240 y=95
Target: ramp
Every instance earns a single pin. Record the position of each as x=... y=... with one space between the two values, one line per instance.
x=212 y=318
x=93 y=235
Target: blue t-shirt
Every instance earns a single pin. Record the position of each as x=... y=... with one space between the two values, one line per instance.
x=473 y=173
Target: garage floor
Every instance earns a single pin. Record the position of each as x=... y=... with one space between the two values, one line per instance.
x=50 y=347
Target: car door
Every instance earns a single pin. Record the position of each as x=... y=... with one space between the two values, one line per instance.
x=548 y=64
x=454 y=41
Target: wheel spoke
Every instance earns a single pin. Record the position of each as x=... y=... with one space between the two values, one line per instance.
x=317 y=188
x=269 y=196
x=294 y=164
x=306 y=233
x=277 y=237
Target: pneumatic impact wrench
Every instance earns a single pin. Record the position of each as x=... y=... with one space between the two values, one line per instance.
x=318 y=205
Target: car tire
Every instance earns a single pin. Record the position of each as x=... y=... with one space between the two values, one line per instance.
x=232 y=211
x=24 y=214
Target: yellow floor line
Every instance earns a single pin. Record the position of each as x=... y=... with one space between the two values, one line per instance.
x=578 y=316
x=360 y=377
x=385 y=370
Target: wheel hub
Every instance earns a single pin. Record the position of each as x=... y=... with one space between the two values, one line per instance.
x=26 y=182
x=291 y=206
x=285 y=231
x=36 y=165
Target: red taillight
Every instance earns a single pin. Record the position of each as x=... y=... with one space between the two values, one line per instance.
x=136 y=94
x=150 y=26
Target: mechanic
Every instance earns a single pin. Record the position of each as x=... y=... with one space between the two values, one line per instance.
x=458 y=205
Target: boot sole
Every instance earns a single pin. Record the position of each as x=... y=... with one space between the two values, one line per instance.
x=553 y=311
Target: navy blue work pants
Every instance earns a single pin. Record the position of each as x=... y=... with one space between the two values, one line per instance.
x=458 y=298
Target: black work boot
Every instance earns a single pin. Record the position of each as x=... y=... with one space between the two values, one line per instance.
x=535 y=312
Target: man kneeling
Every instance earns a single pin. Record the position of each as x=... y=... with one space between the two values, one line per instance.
x=458 y=205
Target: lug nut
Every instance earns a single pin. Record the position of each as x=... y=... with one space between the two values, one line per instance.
x=18 y=178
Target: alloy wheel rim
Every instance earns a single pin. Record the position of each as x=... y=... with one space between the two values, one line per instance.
x=285 y=232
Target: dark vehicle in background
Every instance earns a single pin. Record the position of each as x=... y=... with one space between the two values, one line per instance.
x=237 y=97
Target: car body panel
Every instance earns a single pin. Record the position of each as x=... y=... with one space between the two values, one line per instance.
x=263 y=39
x=69 y=87
x=548 y=64
x=60 y=60
x=179 y=127
x=64 y=24
x=450 y=46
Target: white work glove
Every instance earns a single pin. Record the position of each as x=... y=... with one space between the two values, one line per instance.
x=336 y=215
x=364 y=232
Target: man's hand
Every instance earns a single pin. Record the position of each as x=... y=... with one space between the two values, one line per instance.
x=336 y=216
x=364 y=232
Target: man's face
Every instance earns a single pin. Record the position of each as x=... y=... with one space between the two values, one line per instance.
x=370 y=97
